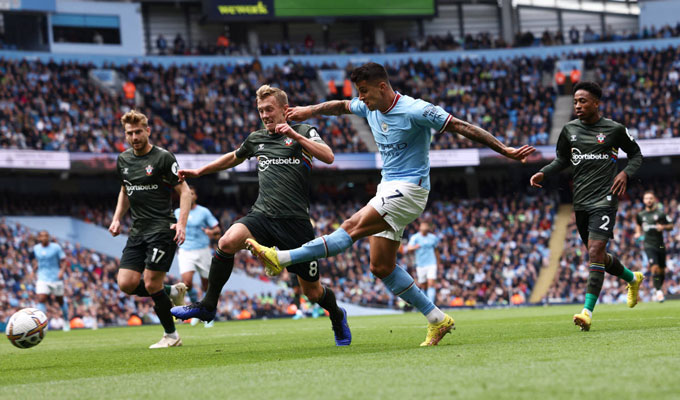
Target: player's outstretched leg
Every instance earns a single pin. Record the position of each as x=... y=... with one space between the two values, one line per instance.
x=634 y=279
x=275 y=260
x=220 y=270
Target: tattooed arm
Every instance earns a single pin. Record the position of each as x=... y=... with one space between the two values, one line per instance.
x=334 y=107
x=479 y=135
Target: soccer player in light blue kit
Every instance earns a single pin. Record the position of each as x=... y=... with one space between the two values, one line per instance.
x=51 y=263
x=402 y=128
x=424 y=244
x=195 y=254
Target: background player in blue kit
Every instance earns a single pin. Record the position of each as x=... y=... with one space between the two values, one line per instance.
x=51 y=263
x=424 y=245
x=195 y=253
x=402 y=128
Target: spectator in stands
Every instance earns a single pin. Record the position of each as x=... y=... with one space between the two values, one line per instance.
x=161 y=44
x=574 y=35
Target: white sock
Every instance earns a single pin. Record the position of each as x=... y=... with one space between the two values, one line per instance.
x=284 y=257
x=173 y=291
x=588 y=312
x=172 y=335
x=435 y=316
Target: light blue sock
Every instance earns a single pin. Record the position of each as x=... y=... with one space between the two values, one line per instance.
x=42 y=307
x=401 y=284
x=431 y=294
x=321 y=247
x=193 y=295
x=64 y=311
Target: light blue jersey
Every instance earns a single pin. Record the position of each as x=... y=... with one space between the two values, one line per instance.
x=48 y=261
x=199 y=218
x=425 y=254
x=403 y=135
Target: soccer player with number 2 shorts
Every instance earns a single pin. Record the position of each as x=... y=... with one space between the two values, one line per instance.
x=592 y=144
x=401 y=127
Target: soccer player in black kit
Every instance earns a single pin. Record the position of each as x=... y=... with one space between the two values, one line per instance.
x=591 y=143
x=148 y=176
x=651 y=223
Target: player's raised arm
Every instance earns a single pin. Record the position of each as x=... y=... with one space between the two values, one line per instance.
x=315 y=146
x=227 y=161
x=334 y=107
x=479 y=135
x=122 y=206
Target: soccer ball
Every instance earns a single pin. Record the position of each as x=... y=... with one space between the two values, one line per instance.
x=26 y=328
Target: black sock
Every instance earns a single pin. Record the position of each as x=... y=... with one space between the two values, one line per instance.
x=658 y=281
x=296 y=300
x=595 y=281
x=220 y=270
x=328 y=303
x=162 y=305
x=613 y=266
x=141 y=291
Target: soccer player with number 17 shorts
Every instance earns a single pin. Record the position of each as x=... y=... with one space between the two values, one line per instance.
x=592 y=144
x=401 y=127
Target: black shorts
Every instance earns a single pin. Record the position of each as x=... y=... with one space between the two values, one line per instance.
x=154 y=252
x=656 y=256
x=598 y=224
x=285 y=234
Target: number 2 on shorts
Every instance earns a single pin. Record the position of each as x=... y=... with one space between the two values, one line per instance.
x=604 y=225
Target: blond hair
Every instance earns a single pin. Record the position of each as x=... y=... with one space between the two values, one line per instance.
x=265 y=91
x=134 y=117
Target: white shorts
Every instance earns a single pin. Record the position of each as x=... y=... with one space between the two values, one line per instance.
x=48 y=288
x=399 y=203
x=426 y=272
x=195 y=261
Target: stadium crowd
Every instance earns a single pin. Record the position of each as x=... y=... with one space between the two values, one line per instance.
x=570 y=283
x=481 y=40
x=210 y=109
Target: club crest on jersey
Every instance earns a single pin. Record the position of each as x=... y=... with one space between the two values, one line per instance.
x=288 y=141
x=149 y=170
x=384 y=127
x=600 y=138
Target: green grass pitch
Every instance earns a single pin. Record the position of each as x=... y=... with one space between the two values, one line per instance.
x=497 y=354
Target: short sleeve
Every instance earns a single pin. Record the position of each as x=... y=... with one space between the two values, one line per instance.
x=246 y=149
x=118 y=171
x=638 y=219
x=358 y=107
x=170 y=169
x=60 y=252
x=210 y=219
x=412 y=240
x=313 y=135
x=428 y=115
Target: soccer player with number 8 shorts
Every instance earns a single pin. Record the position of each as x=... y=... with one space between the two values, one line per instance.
x=591 y=143
x=402 y=127
x=280 y=215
